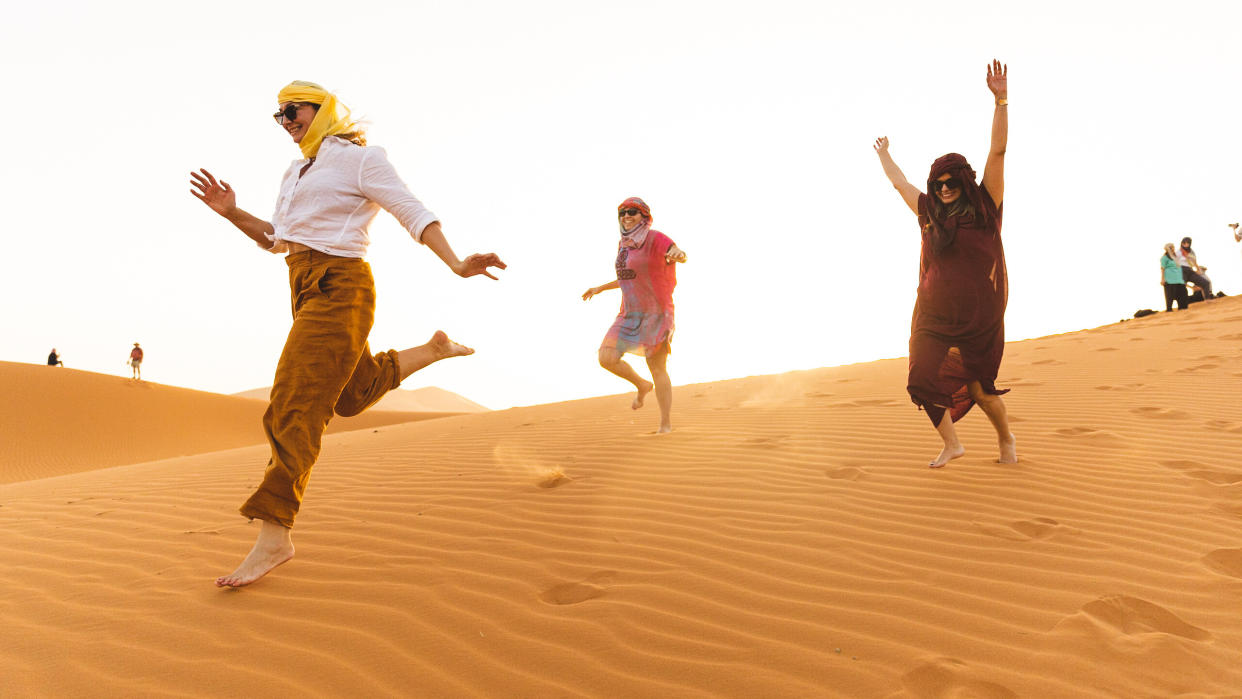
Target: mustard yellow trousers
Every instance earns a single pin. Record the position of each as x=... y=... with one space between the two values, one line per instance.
x=326 y=368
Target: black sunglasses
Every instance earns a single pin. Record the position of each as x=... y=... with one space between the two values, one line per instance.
x=951 y=183
x=289 y=113
x=627 y=212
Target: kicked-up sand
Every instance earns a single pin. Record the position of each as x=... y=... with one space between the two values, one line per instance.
x=787 y=539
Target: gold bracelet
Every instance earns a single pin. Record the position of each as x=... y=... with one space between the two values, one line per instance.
x=1002 y=102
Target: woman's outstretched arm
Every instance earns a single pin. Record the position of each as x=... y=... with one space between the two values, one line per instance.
x=220 y=198
x=433 y=237
x=994 y=171
x=909 y=193
x=614 y=284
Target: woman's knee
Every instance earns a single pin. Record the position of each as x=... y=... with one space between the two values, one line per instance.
x=609 y=358
x=346 y=409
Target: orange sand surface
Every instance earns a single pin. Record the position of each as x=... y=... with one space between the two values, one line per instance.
x=786 y=540
x=55 y=421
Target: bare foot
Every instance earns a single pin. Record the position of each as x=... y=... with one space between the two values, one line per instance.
x=273 y=547
x=947 y=454
x=642 y=395
x=1008 y=450
x=443 y=347
x=664 y=429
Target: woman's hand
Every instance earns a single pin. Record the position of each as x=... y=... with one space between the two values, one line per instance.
x=998 y=79
x=586 y=295
x=881 y=145
x=674 y=254
x=218 y=196
x=478 y=264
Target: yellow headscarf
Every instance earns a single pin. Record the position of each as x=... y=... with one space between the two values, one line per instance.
x=327 y=122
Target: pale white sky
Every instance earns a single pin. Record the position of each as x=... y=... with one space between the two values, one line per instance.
x=746 y=126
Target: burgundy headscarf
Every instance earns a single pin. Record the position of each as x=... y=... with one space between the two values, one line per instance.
x=942 y=226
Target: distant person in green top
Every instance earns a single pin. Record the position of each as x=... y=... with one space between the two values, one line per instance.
x=1171 y=279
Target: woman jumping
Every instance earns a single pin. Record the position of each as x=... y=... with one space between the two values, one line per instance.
x=957 y=335
x=646 y=274
x=326 y=203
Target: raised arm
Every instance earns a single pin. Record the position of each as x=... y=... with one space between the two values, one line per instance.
x=220 y=198
x=994 y=171
x=909 y=193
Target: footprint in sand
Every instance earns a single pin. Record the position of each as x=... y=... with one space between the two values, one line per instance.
x=1106 y=349
x=1092 y=436
x=1047 y=361
x=1204 y=472
x=765 y=441
x=1158 y=412
x=1225 y=561
x=577 y=592
x=1234 y=336
x=1224 y=426
x=1024 y=530
x=1192 y=369
x=950 y=677
x=845 y=473
x=554 y=480
x=1132 y=616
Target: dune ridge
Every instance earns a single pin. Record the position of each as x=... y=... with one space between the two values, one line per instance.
x=428 y=399
x=60 y=421
x=786 y=540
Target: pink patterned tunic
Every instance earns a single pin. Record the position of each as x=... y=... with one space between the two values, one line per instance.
x=645 y=322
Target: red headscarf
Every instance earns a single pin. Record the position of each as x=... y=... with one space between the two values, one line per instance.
x=942 y=226
x=634 y=237
x=636 y=203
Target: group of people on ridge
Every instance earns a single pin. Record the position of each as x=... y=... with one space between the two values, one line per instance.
x=1178 y=267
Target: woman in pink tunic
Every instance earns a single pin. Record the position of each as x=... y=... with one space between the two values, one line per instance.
x=646 y=274
x=957 y=335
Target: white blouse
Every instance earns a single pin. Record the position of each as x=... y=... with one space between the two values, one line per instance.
x=330 y=207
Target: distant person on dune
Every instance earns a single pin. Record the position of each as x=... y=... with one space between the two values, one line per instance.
x=1192 y=271
x=53 y=359
x=957 y=335
x=1171 y=279
x=1237 y=234
x=646 y=274
x=327 y=201
x=135 y=361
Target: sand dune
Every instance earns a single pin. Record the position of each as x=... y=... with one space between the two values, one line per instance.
x=786 y=540
x=59 y=421
x=428 y=399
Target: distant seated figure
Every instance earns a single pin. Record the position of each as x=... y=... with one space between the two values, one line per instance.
x=1237 y=235
x=1192 y=271
x=53 y=359
x=1171 y=279
x=135 y=361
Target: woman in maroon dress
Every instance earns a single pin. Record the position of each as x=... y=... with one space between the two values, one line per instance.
x=957 y=335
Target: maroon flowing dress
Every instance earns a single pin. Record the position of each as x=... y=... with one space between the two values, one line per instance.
x=957 y=334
